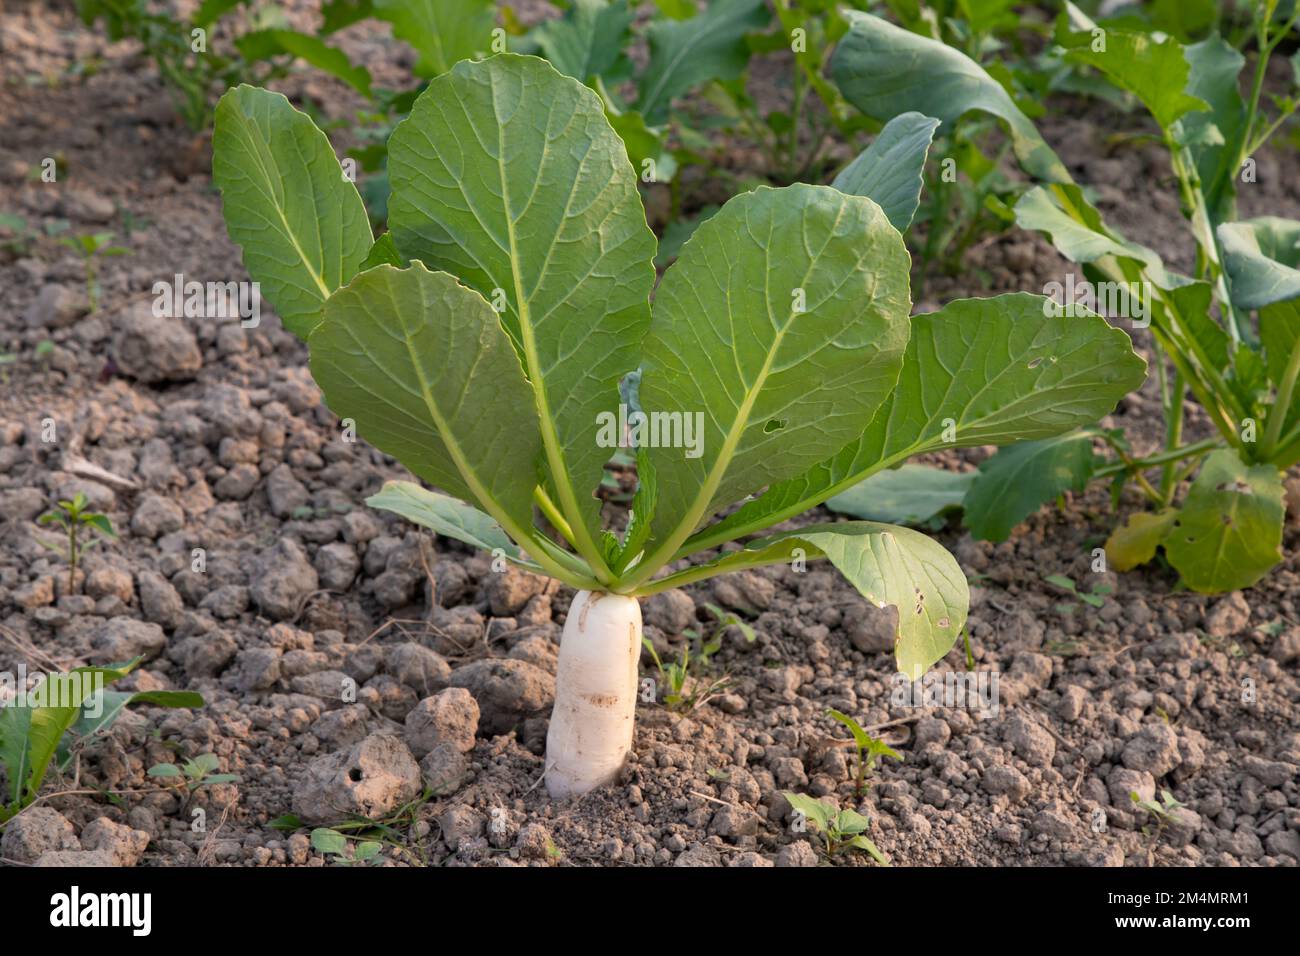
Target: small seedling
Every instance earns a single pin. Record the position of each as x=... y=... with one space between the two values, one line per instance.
x=89 y=245
x=75 y=518
x=869 y=749
x=46 y=726
x=675 y=675
x=194 y=773
x=335 y=847
x=1162 y=812
x=1094 y=598
x=841 y=830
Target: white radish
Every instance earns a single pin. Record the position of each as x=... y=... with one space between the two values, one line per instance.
x=590 y=734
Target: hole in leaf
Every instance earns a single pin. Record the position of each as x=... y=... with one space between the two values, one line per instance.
x=774 y=425
x=1034 y=363
x=354 y=774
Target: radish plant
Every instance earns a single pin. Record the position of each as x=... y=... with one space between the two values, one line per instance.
x=482 y=343
x=1228 y=331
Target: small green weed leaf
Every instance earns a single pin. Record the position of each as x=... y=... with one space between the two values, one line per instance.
x=325 y=840
x=819 y=814
x=1229 y=531
x=300 y=222
x=164 y=771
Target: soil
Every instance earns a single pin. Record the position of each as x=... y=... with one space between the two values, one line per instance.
x=200 y=434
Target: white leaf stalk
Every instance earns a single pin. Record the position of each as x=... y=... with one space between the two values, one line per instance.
x=590 y=734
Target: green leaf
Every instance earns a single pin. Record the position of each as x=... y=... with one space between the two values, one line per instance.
x=1215 y=71
x=1261 y=257
x=325 y=840
x=1279 y=332
x=383 y=252
x=1135 y=541
x=889 y=566
x=15 y=728
x=817 y=813
x=910 y=494
x=676 y=233
x=422 y=365
x=978 y=372
x=1153 y=69
x=444 y=515
x=1228 y=533
x=337 y=14
x=780 y=330
x=507 y=175
x=890 y=170
x=588 y=40
x=442 y=31
x=264 y=44
x=111 y=707
x=210 y=11
x=164 y=770
x=687 y=53
x=58 y=702
x=885 y=70
x=300 y=222
x=860 y=736
x=1015 y=481
x=1074 y=226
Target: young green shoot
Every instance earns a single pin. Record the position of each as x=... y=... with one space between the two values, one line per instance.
x=77 y=520
x=869 y=749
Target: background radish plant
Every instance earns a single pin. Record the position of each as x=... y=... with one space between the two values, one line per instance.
x=482 y=342
x=1228 y=331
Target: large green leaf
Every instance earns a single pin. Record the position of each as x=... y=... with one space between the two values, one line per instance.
x=1228 y=533
x=889 y=566
x=686 y=53
x=1075 y=228
x=1151 y=67
x=979 y=372
x=442 y=31
x=910 y=494
x=1016 y=480
x=507 y=175
x=890 y=170
x=15 y=728
x=1261 y=257
x=444 y=515
x=885 y=70
x=57 y=704
x=781 y=328
x=1215 y=70
x=588 y=40
x=423 y=367
x=300 y=222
